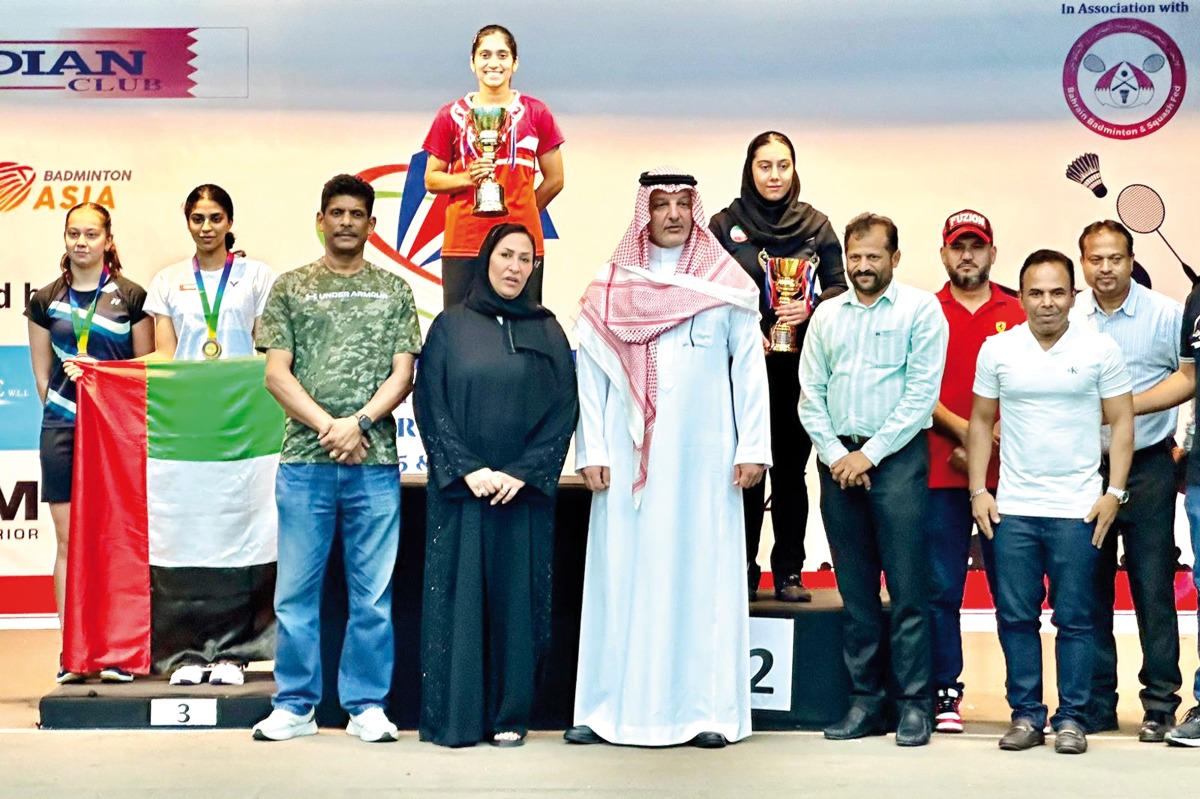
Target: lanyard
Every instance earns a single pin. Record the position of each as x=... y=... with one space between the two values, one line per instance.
x=83 y=327
x=212 y=313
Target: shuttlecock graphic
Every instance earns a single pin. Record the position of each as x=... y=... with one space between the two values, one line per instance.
x=1085 y=170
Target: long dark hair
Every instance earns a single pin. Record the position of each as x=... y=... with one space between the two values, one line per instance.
x=213 y=192
x=487 y=30
x=111 y=259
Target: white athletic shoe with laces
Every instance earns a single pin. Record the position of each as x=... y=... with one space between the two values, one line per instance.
x=188 y=675
x=283 y=725
x=372 y=726
x=226 y=674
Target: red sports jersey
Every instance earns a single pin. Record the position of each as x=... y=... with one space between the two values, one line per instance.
x=967 y=334
x=529 y=132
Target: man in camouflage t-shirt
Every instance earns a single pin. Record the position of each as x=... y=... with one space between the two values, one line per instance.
x=340 y=336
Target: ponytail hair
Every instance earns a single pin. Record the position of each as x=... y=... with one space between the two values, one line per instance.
x=112 y=261
x=213 y=192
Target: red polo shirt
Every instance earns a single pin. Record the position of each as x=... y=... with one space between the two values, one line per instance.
x=967 y=334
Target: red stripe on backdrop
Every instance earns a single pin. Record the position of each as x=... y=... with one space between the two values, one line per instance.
x=107 y=619
x=26 y=594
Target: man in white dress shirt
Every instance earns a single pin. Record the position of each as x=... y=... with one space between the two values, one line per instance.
x=1145 y=325
x=674 y=423
x=870 y=375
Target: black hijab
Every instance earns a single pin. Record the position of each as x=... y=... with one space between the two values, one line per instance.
x=783 y=225
x=523 y=319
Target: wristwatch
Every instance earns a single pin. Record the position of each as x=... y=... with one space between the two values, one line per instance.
x=364 y=421
x=1121 y=494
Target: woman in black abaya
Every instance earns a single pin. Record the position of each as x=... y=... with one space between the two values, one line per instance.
x=495 y=401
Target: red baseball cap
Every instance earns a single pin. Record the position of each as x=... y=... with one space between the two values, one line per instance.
x=966 y=221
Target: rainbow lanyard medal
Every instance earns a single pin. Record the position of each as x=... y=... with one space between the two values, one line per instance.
x=212 y=348
x=83 y=327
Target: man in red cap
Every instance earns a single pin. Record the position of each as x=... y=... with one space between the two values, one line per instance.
x=975 y=308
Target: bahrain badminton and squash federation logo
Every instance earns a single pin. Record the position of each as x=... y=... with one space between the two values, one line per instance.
x=1124 y=78
x=16 y=181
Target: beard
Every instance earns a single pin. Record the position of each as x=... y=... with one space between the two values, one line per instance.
x=968 y=282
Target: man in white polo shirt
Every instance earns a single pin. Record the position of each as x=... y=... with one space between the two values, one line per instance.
x=1051 y=379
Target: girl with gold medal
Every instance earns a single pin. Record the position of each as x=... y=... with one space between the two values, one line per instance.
x=207 y=307
x=91 y=312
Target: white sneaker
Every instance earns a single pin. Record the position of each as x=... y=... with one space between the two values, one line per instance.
x=115 y=674
x=372 y=726
x=226 y=673
x=188 y=675
x=282 y=725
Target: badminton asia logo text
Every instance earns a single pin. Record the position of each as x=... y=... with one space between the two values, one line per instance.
x=1124 y=78
x=62 y=189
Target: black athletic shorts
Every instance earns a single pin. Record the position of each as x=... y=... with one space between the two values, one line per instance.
x=58 y=458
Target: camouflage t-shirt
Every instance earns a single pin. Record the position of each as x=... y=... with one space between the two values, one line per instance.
x=342 y=331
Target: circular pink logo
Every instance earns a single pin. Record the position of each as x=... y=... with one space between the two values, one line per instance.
x=1124 y=78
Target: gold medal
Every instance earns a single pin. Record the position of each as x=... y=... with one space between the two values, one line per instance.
x=211 y=349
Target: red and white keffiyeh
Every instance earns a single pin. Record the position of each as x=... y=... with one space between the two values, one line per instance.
x=627 y=307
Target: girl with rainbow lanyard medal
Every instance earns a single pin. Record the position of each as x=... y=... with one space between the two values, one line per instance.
x=89 y=313
x=208 y=307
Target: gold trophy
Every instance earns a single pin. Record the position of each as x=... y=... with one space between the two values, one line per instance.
x=488 y=121
x=783 y=273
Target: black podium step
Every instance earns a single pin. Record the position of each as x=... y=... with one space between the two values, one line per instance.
x=151 y=702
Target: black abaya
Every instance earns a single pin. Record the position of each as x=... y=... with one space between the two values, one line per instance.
x=500 y=396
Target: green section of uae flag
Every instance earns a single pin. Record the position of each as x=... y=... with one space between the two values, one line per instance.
x=198 y=411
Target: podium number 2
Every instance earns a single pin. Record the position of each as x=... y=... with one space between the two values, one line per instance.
x=768 y=660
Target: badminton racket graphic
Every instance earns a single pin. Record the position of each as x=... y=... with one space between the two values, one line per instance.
x=1143 y=211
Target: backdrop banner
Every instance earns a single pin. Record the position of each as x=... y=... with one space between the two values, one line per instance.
x=1038 y=113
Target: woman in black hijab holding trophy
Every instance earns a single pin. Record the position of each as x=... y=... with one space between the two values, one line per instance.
x=792 y=253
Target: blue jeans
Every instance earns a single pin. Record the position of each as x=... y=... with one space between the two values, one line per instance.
x=948 y=526
x=1191 y=506
x=316 y=502
x=1027 y=549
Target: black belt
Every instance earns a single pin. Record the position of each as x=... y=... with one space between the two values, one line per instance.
x=1139 y=456
x=855 y=441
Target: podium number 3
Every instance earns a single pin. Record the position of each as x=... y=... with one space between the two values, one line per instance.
x=184 y=713
x=768 y=660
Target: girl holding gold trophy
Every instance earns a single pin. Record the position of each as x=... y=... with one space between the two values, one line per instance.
x=485 y=150
x=767 y=229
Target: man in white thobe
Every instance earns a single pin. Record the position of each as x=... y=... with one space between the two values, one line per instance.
x=673 y=425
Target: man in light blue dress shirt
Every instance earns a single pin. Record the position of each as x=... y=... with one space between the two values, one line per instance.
x=1145 y=325
x=870 y=374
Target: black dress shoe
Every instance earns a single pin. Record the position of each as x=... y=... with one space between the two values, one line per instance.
x=1155 y=726
x=1069 y=739
x=708 y=740
x=582 y=734
x=914 y=728
x=792 y=590
x=858 y=723
x=1022 y=735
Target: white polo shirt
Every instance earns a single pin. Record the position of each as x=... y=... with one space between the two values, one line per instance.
x=1050 y=406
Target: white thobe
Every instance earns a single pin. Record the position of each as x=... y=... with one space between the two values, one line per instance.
x=664 y=648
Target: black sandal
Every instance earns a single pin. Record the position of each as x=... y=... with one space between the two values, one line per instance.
x=505 y=742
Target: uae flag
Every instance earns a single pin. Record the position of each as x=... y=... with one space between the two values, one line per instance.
x=173 y=522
